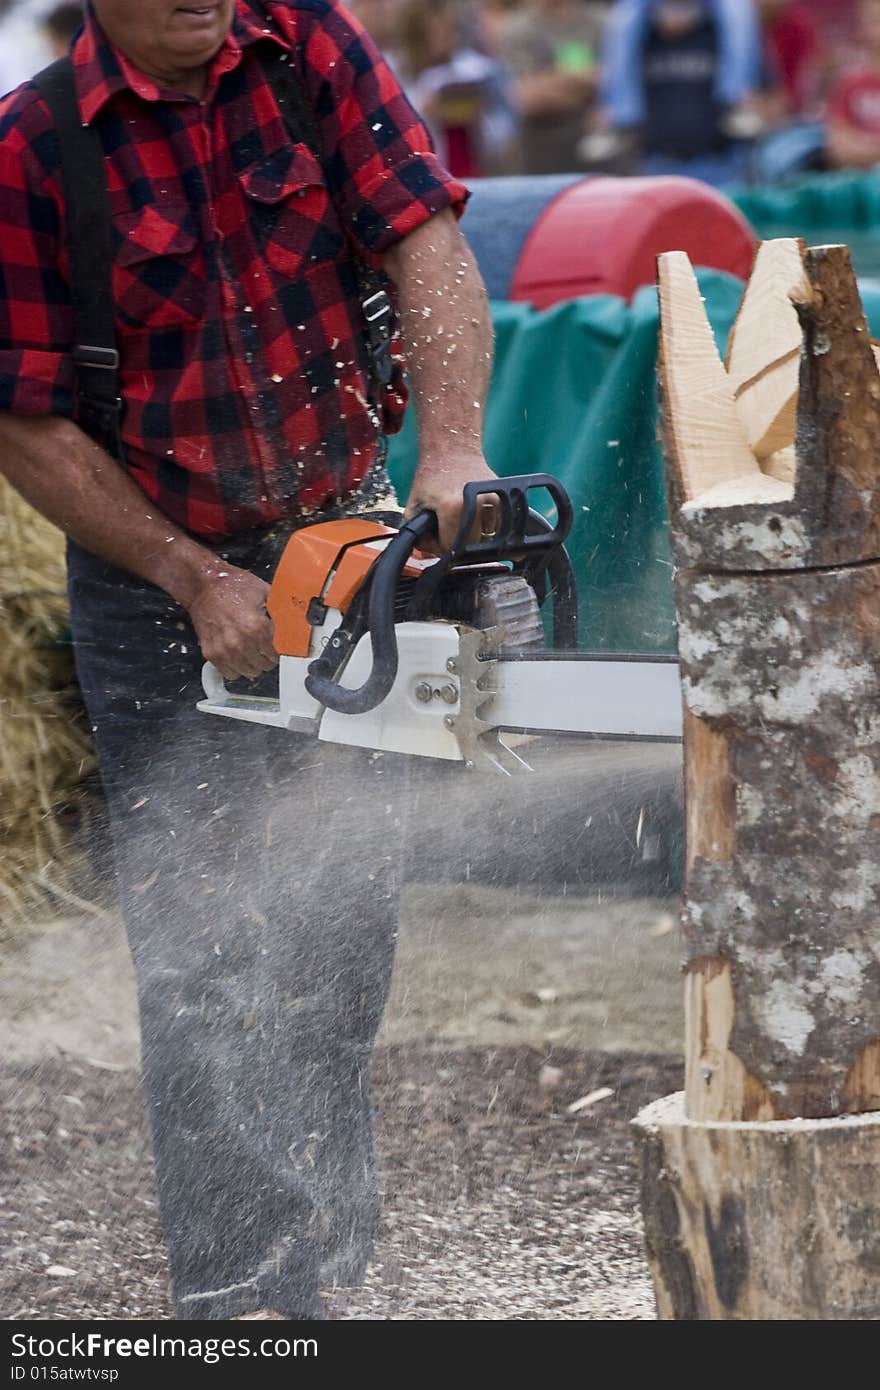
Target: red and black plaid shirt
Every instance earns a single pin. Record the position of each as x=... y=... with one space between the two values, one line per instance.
x=239 y=326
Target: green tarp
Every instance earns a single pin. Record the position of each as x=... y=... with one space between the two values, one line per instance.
x=849 y=200
x=821 y=208
x=574 y=394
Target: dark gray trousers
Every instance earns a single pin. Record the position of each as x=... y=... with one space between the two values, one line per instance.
x=258 y=873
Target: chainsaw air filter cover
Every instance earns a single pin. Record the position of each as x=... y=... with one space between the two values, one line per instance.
x=501 y=604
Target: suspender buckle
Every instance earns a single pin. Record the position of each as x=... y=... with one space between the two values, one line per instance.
x=377 y=307
x=379 y=317
x=99 y=408
x=103 y=359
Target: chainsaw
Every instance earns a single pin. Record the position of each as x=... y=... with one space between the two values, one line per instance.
x=383 y=647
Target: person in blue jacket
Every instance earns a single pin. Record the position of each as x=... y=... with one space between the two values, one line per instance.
x=678 y=76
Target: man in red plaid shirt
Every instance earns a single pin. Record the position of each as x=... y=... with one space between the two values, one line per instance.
x=258 y=878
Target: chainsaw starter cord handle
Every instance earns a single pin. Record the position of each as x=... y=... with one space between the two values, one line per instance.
x=384 y=579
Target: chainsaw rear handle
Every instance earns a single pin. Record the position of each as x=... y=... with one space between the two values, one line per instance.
x=383 y=579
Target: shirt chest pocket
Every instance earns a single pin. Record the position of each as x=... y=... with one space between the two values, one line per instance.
x=290 y=210
x=159 y=276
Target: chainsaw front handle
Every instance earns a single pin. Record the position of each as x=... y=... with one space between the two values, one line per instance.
x=514 y=537
x=522 y=536
x=383 y=580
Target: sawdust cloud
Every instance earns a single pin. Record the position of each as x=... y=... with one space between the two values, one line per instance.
x=328 y=835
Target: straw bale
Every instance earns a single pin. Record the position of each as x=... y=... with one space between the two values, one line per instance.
x=45 y=752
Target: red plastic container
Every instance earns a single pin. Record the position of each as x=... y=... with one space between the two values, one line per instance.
x=603 y=236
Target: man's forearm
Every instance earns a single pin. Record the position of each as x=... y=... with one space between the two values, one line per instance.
x=64 y=475
x=67 y=477
x=447 y=334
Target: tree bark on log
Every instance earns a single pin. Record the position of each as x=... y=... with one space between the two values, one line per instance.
x=761 y=1221
x=778 y=604
x=783 y=733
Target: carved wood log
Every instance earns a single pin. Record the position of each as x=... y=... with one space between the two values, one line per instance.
x=778 y=601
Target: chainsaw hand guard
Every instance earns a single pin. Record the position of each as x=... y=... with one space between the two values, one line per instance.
x=383 y=580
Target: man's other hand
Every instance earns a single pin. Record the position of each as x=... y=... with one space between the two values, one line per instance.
x=438 y=487
x=234 y=630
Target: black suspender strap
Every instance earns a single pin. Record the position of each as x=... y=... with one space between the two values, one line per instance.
x=90 y=254
x=378 y=309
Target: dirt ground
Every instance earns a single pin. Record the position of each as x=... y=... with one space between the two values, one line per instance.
x=499 y=1203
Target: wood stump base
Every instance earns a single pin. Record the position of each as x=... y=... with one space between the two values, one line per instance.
x=761 y=1221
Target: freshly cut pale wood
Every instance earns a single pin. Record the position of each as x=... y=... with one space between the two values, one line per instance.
x=823 y=508
x=763 y=356
x=861 y=1089
x=766 y=330
x=767 y=406
x=761 y=1222
x=710 y=794
x=718 y=1086
x=707 y=434
x=782 y=465
x=744 y=491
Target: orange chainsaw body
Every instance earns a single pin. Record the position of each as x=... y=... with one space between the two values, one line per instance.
x=327 y=562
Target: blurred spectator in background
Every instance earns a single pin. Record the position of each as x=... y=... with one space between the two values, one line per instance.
x=836 y=21
x=381 y=18
x=493 y=19
x=24 y=47
x=791 y=41
x=680 y=78
x=796 y=69
x=853 y=136
x=60 y=25
x=464 y=95
x=32 y=33
x=553 y=48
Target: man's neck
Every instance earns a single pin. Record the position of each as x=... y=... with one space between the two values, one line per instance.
x=192 y=81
